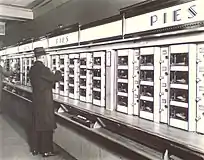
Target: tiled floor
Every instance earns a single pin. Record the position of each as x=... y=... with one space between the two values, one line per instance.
x=13 y=145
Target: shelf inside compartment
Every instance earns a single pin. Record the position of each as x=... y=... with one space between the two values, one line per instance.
x=71 y=80
x=122 y=100
x=82 y=92
x=179 y=113
x=123 y=60
x=147 y=75
x=96 y=95
x=146 y=90
x=71 y=89
x=97 y=84
x=82 y=61
x=122 y=87
x=147 y=60
x=122 y=74
x=71 y=61
x=82 y=82
x=71 y=71
x=146 y=106
x=97 y=60
x=179 y=59
x=82 y=71
x=179 y=77
x=179 y=95
x=97 y=72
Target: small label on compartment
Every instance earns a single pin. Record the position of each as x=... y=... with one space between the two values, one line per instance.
x=136 y=82
x=201 y=50
x=164 y=52
x=164 y=68
x=164 y=85
x=201 y=107
x=201 y=88
x=136 y=96
x=163 y=100
x=201 y=69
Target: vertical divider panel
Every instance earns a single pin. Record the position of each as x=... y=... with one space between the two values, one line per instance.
x=192 y=87
x=131 y=53
x=157 y=84
x=136 y=78
x=164 y=94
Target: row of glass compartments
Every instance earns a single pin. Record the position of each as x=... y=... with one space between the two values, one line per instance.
x=78 y=70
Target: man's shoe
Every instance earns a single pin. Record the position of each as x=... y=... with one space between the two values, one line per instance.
x=34 y=152
x=48 y=154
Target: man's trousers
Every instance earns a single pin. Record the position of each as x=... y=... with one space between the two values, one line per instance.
x=42 y=141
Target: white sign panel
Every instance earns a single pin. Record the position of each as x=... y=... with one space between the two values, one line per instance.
x=12 y=50
x=66 y=39
x=181 y=14
x=26 y=47
x=42 y=43
x=103 y=31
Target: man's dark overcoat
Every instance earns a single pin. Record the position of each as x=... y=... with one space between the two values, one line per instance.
x=42 y=81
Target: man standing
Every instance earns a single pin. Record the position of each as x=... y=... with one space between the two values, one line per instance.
x=3 y=73
x=43 y=118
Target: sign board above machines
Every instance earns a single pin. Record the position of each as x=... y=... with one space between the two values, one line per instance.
x=12 y=50
x=41 y=43
x=172 y=16
x=26 y=47
x=66 y=39
x=102 y=31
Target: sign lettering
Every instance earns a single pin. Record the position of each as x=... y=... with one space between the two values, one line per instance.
x=64 y=39
x=172 y=16
x=176 y=14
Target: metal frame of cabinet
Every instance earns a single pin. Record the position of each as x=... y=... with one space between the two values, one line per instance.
x=85 y=77
x=63 y=67
x=149 y=85
x=182 y=86
x=99 y=78
x=125 y=81
x=74 y=76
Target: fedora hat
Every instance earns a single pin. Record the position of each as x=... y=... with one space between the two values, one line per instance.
x=39 y=51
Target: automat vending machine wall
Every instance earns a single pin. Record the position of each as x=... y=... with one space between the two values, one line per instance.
x=74 y=76
x=99 y=78
x=124 y=81
x=85 y=77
